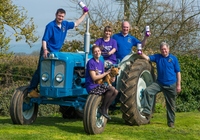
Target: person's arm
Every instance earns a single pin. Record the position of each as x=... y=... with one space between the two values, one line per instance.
x=44 y=47
x=112 y=51
x=78 y=21
x=145 y=56
x=95 y=77
x=178 y=83
x=143 y=42
x=114 y=47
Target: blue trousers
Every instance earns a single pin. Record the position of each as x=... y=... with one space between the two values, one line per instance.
x=170 y=96
x=36 y=76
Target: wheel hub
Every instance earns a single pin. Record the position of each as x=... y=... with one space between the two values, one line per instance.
x=140 y=89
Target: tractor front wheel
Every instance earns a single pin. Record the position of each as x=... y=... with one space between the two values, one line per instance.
x=22 y=110
x=93 y=121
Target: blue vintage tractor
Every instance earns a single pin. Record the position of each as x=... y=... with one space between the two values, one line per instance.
x=62 y=83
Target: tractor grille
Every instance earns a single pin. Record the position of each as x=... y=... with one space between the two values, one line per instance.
x=52 y=68
x=59 y=68
x=46 y=68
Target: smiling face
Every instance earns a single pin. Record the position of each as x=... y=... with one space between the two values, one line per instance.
x=107 y=32
x=125 y=28
x=164 y=50
x=96 y=52
x=59 y=17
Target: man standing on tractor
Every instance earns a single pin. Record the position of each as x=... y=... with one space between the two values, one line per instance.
x=168 y=81
x=52 y=41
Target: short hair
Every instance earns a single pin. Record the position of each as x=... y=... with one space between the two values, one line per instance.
x=60 y=10
x=108 y=28
x=94 y=47
x=164 y=44
x=127 y=22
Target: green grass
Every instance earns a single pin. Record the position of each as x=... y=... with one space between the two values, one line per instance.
x=187 y=127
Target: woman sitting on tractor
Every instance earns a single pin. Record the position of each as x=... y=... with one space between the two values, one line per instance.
x=94 y=72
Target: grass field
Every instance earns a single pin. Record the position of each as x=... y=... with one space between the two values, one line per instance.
x=187 y=127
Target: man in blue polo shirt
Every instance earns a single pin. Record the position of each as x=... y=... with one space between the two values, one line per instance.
x=168 y=81
x=125 y=41
x=52 y=41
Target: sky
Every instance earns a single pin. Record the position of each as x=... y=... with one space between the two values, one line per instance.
x=43 y=11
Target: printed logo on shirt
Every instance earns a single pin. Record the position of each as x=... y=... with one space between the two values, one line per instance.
x=108 y=48
x=129 y=40
x=98 y=71
x=170 y=59
x=63 y=28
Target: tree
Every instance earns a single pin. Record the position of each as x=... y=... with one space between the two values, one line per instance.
x=127 y=9
x=14 y=20
x=176 y=22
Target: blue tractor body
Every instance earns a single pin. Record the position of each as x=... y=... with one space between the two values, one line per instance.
x=59 y=77
x=62 y=80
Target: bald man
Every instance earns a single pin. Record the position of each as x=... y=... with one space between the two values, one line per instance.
x=125 y=41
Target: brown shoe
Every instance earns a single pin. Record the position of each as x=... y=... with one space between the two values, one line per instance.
x=171 y=125
x=33 y=94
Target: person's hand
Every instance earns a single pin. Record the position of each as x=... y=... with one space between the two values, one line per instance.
x=178 y=89
x=112 y=79
x=108 y=71
x=109 y=53
x=45 y=53
x=149 y=34
x=85 y=13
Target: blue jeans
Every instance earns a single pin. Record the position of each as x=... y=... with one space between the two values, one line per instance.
x=36 y=76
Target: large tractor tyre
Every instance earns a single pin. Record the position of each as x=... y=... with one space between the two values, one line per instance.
x=13 y=107
x=69 y=112
x=22 y=111
x=136 y=77
x=93 y=121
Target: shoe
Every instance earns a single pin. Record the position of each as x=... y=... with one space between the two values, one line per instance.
x=104 y=114
x=33 y=94
x=171 y=125
x=145 y=114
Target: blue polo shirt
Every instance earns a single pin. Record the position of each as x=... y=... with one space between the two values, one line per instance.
x=124 y=44
x=55 y=36
x=167 y=68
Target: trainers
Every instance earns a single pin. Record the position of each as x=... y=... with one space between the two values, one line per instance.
x=171 y=125
x=33 y=94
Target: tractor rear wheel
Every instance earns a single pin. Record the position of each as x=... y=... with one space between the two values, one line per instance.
x=93 y=121
x=136 y=77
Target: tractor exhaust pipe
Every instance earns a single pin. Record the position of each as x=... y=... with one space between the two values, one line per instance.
x=87 y=42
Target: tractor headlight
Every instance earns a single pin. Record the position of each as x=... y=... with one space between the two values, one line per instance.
x=59 y=77
x=45 y=77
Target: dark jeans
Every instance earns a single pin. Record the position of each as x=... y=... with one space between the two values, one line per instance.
x=170 y=96
x=36 y=76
